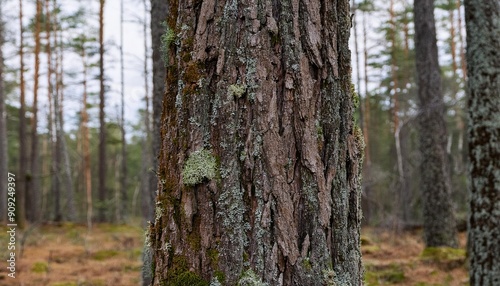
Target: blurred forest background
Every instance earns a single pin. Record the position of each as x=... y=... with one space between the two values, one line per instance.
x=80 y=133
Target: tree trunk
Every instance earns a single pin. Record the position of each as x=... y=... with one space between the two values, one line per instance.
x=87 y=177
x=123 y=174
x=23 y=158
x=260 y=159
x=65 y=167
x=439 y=222
x=3 y=129
x=159 y=10
x=483 y=69
x=102 y=123
x=33 y=192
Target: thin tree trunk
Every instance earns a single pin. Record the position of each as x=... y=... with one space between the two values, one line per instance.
x=483 y=68
x=439 y=221
x=3 y=128
x=33 y=192
x=395 y=87
x=65 y=167
x=21 y=181
x=123 y=179
x=102 y=123
x=463 y=64
x=159 y=12
x=58 y=152
x=87 y=177
x=367 y=98
x=366 y=127
x=259 y=166
x=55 y=181
x=453 y=50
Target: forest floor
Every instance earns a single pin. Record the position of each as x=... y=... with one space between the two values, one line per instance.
x=402 y=259
x=65 y=255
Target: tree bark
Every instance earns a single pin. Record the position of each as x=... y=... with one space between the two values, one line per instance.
x=260 y=159
x=439 y=222
x=483 y=69
x=102 y=192
x=3 y=129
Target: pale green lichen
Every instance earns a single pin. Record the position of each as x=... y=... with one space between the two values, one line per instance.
x=200 y=165
x=166 y=40
x=236 y=90
x=158 y=213
x=249 y=278
x=215 y=282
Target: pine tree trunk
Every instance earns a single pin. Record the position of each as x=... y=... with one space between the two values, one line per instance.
x=33 y=193
x=123 y=166
x=102 y=193
x=439 y=222
x=260 y=159
x=483 y=69
x=3 y=128
x=87 y=178
x=21 y=181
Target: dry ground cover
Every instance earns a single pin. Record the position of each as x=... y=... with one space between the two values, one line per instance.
x=65 y=256
x=401 y=259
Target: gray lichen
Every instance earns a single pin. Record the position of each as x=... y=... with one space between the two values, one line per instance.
x=249 y=278
x=200 y=165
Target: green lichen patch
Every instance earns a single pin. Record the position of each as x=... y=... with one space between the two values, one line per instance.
x=446 y=258
x=199 y=166
x=236 y=90
x=40 y=267
x=166 y=39
x=384 y=274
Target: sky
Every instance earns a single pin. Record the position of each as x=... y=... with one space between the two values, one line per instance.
x=133 y=43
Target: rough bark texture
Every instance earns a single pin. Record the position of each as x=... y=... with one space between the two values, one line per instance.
x=439 y=222
x=3 y=129
x=260 y=159
x=159 y=10
x=483 y=68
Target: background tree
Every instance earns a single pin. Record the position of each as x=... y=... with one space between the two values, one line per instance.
x=439 y=222
x=102 y=123
x=3 y=126
x=23 y=155
x=33 y=190
x=260 y=160
x=159 y=11
x=483 y=69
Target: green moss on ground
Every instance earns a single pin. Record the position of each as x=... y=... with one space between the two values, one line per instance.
x=40 y=267
x=387 y=274
x=104 y=254
x=446 y=258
